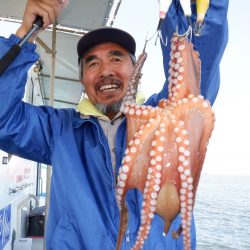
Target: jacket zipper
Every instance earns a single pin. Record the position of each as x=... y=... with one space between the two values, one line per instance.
x=126 y=236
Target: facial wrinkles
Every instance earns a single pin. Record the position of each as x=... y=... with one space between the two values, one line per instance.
x=109 y=82
x=111 y=54
x=106 y=73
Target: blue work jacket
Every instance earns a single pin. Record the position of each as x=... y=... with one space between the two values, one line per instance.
x=83 y=211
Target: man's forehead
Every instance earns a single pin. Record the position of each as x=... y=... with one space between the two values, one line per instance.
x=106 y=47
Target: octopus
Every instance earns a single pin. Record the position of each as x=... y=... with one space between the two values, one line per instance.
x=166 y=146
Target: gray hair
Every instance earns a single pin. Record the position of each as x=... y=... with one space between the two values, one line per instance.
x=109 y=108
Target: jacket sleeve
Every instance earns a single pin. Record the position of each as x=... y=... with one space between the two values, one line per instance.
x=211 y=45
x=24 y=129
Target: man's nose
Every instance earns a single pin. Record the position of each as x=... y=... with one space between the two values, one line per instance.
x=106 y=70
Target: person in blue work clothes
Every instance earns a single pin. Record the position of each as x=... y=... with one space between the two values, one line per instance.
x=79 y=145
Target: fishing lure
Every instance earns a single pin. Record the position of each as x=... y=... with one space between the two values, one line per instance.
x=201 y=8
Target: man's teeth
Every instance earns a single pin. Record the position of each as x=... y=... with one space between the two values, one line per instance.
x=108 y=87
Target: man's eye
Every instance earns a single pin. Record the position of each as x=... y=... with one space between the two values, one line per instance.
x=116 y=59
x=92 y=65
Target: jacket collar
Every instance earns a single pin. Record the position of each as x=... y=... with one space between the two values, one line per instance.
x=86 y=108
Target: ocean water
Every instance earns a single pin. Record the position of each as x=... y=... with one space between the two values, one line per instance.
x=222 y=213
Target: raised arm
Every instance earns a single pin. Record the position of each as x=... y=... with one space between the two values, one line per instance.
x=25 y=129
x=211 y=45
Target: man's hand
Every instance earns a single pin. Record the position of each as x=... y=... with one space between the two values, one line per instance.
x=47 y=9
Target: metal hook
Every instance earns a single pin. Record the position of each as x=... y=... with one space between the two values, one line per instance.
x=165 y=43
x=158 y=34
x=148 y=39
x=186 y=34
x=198 y=28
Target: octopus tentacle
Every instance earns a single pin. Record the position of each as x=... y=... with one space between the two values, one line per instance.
x=152 y=186
x=133 y=84
x=163 y=103
x=197 y=111
x=181 y=81
x=185 y=171
x=126 y=179
x=140 y=111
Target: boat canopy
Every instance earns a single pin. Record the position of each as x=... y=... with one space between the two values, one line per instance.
x=57 y=69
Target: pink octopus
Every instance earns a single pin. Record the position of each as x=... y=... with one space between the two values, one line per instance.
x=166 y=146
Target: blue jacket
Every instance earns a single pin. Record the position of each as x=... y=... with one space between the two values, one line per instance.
x=83 y=211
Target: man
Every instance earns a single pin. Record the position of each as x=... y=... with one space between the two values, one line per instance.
x=85 y=148
x=106 y=59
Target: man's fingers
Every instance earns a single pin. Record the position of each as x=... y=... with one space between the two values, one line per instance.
x=48 y=11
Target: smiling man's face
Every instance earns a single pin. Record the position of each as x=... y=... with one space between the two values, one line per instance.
x=107 y=69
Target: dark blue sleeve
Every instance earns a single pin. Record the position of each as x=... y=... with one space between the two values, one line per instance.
x=24 y=129
x=211 y=45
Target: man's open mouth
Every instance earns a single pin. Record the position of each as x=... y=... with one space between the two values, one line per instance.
x=108 y=87
x=108 y=84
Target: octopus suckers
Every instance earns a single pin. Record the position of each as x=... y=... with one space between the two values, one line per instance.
x=152 y=153
x=168 y=135
x=125 y=168
x=133 y=150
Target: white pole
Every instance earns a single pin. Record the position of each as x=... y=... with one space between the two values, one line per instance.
x=52 y=85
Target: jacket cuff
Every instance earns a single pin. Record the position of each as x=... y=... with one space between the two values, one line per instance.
x=13 y=39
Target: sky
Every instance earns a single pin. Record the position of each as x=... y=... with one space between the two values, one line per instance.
x=228 y=149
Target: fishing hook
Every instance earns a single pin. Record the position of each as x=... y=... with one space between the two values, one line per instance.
x=186 y=34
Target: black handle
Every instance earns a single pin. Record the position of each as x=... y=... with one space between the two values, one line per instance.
x=15 y=49
x=38 y=22
x=9 y=57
